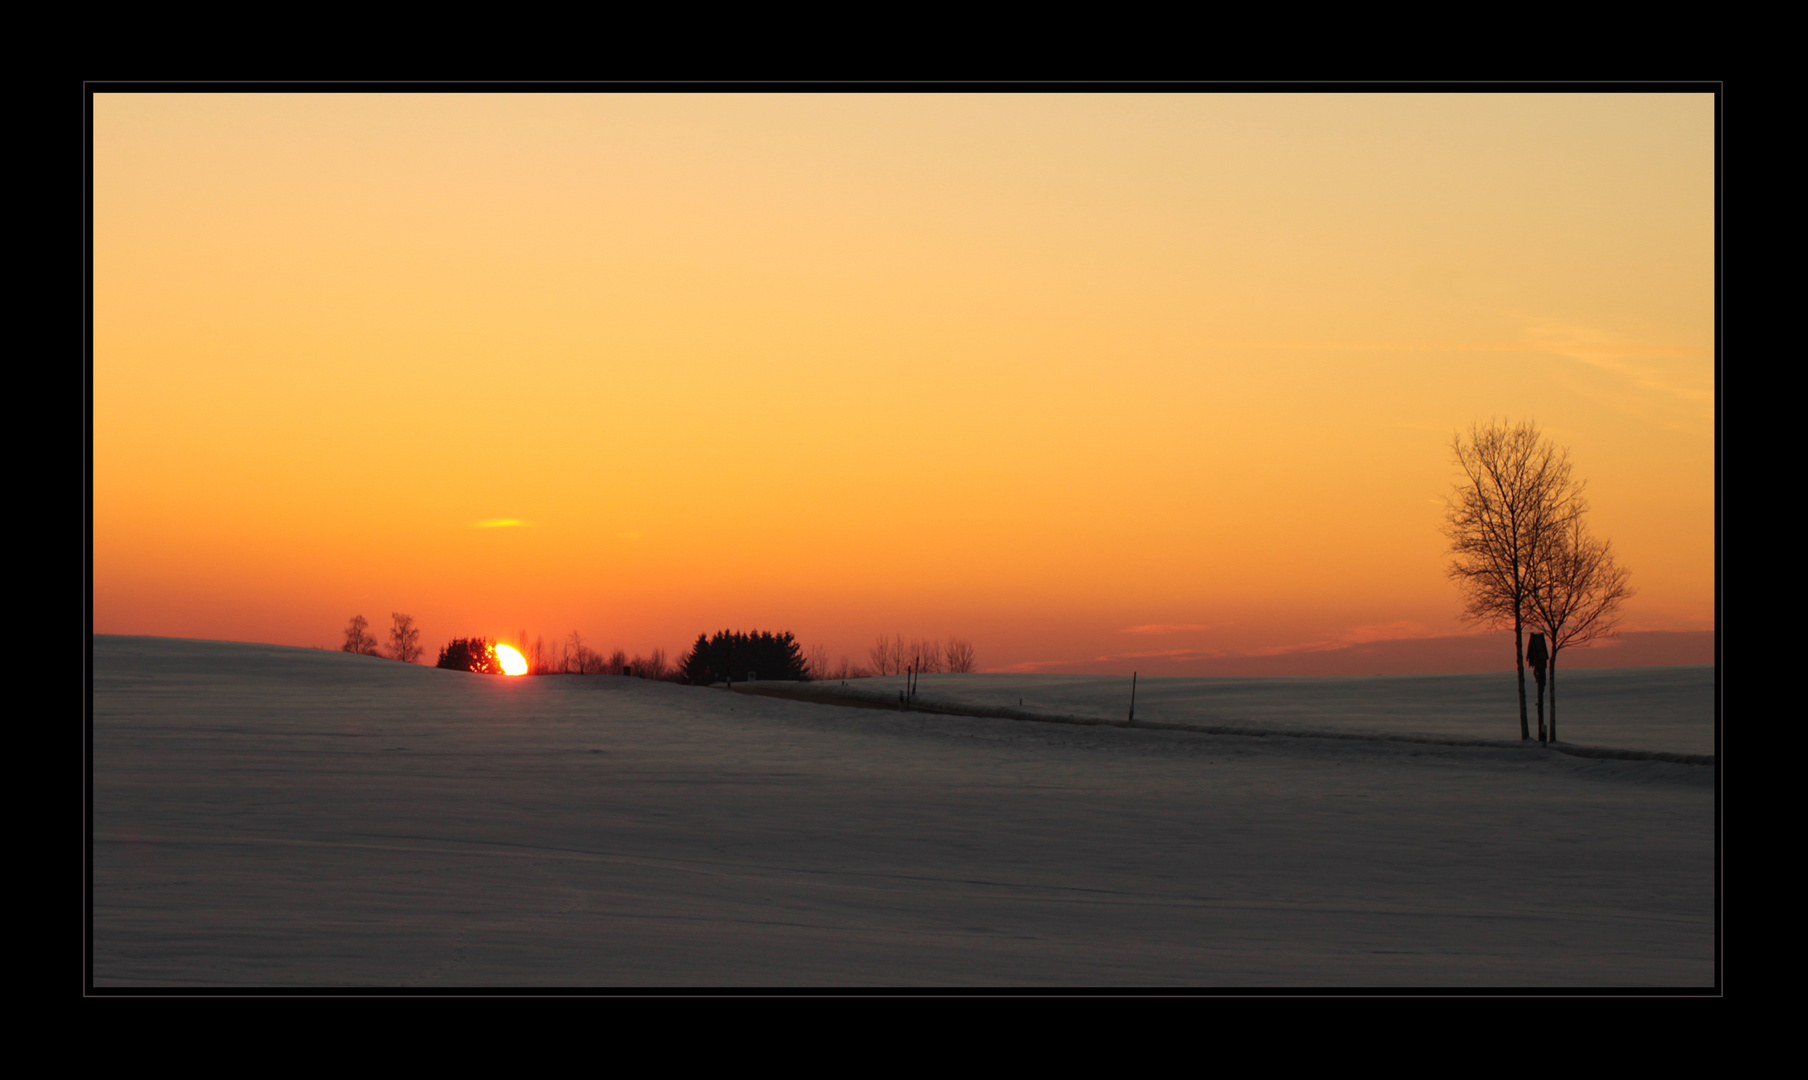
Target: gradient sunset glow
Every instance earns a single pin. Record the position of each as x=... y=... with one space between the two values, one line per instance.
x=1085 y=379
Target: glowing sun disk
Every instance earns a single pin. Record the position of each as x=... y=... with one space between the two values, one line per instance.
x=513 y=663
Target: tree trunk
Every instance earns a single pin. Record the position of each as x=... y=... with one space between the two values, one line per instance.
x=1525 y=731
x=1539 y=688
x=1553 y=678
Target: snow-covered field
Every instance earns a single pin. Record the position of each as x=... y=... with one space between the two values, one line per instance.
x=1665 y=709
x=292 y=817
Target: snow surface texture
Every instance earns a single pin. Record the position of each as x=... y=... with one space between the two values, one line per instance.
x=291 y=817
x=1666 y=710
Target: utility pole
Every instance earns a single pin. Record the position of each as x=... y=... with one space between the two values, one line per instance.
x=1132 y=698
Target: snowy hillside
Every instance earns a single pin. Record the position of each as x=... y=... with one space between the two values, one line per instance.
x=292 y=817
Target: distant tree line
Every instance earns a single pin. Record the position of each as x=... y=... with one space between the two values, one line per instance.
x=717 y=658
x=894 y=657
x=723 y=656
x=734 y=656
x=478 y=653
x=573 y=657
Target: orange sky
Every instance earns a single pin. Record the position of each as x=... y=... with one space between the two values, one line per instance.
x=1031 y=370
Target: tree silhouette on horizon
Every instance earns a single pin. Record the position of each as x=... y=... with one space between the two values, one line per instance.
x=731 y=655
x=1514 y=497
x=404 y=638
x=470 y=654
x=358 y=639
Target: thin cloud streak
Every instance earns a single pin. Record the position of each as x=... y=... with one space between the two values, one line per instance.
x=1356 y=635
x=1475 y=651
x=1378 y=346
x=1605 y=352
x=1171 y=628
x=1028 y=667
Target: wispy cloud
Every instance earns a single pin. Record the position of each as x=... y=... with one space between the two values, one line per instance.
x=1379 y=346
x=1031 y=666
x=1165 y=654
x=503 y=523
x=1636 y=364
x=1170 y=628
x=1355 y=635
x=1393 y=631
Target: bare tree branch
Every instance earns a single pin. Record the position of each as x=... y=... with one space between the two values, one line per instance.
x=1577 y=594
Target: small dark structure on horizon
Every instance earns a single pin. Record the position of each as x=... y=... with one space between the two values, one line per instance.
x=1538 y=657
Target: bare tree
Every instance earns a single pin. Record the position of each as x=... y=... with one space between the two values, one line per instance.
x=885 y=661
x=818 y=663
x=651 y=666
x=616 y=664
x=358 y=639
x=1515 y=495
x=580 y=659
x=1577 y=593
x=404 y=639
x=926 y=655
x=960 y=655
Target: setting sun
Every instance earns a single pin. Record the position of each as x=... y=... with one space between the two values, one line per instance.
x=513 y=663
